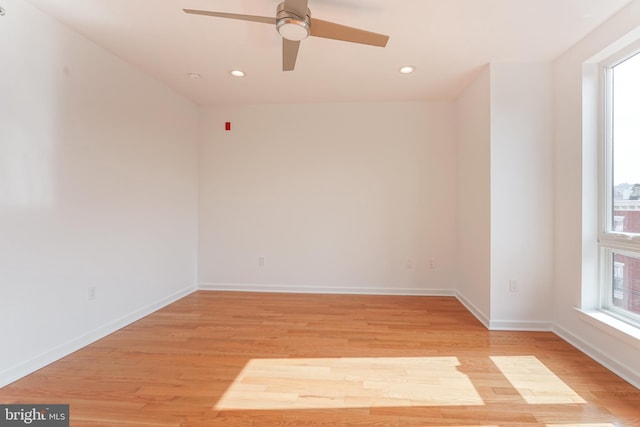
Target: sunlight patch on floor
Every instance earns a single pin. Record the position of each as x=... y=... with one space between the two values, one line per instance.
x=349 y=383
x=534 y=381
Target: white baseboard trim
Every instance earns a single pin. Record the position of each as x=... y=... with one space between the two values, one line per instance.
x=629 y=374
x=491 y=325
x=324 y=289
x=473 y=309
x=517 y=325
x=504 y=325
x=14 y=373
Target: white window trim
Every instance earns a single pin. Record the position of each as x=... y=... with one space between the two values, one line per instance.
x=610 y=241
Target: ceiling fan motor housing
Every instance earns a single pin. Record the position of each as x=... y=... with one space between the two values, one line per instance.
x=291 y=26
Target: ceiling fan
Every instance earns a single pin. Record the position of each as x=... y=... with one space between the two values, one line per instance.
x=294 y=23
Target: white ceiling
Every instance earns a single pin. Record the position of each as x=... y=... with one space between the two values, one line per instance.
x=447 y=40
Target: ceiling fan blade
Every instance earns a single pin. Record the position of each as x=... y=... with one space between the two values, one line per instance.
x=330 y=30
x=297 y=7
x=263 y=19
x=289 y=54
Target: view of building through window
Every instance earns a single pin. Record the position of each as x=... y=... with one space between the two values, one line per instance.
x=625 y=122
x=626 y=283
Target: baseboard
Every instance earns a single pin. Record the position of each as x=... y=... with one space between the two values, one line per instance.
x=629 y=374
x=324 y=289
x=473 y=309
x=16 y=372
x=517 y=325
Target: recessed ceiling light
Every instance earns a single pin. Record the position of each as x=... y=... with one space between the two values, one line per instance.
x=407 y=69
x=194 y=76
x=237 y=73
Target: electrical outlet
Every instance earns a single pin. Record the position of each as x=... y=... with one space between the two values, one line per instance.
x=513 y=285
x=91 y=293
x=261 y=261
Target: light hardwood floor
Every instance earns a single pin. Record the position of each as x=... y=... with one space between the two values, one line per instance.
x=251 y=359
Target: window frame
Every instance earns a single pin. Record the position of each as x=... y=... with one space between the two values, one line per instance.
x=611 y=242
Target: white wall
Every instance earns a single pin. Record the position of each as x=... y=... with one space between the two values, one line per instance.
x=505 y=195
x=98 y=187
x=335 y=197
x=473 y=267
x=521 y=195
x=575 y=162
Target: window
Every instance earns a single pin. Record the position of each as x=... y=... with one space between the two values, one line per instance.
x=619 y=236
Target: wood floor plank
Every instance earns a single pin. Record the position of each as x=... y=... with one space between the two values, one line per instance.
x=252 y=359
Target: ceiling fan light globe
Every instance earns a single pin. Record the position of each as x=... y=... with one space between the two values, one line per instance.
x=293 y=29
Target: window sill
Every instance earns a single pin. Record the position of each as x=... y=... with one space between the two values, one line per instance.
x=617 y=328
